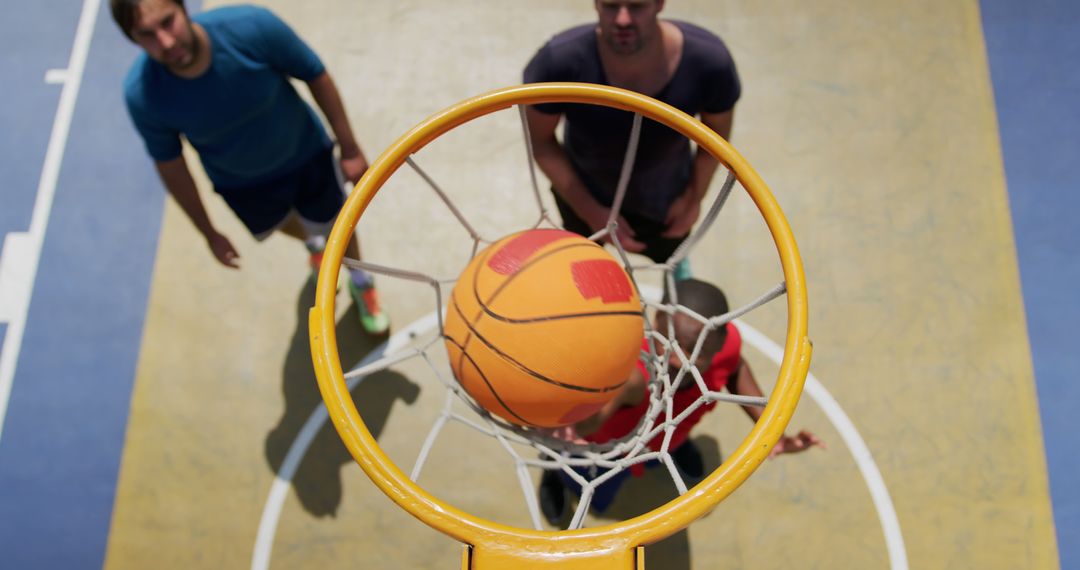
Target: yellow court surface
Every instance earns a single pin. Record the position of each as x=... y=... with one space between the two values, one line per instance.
x=875 y=128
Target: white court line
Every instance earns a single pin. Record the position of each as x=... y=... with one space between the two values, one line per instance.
x=890 y=525
x=264 y=539
x=56 y=76
x=22 y=251
x=879 y=493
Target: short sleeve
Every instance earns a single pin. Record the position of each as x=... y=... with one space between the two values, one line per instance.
x=162 y=142
x=726 y=361
x=720 y=81
x=283 y=49
x=541 y=69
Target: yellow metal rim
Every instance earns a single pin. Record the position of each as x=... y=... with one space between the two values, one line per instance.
x=649 y=527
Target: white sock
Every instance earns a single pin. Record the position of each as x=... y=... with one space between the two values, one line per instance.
x=315 y=243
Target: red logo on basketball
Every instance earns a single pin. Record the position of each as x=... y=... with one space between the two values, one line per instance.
x=514 y=254
x=601 y=278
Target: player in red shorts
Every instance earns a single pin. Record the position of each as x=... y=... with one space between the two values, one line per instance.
x=721 y=366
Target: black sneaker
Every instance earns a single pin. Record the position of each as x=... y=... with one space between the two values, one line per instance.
x=552 y=497
x=688 y=459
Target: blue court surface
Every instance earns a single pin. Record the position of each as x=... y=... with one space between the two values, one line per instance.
x=1035 y=87
x=143 y=388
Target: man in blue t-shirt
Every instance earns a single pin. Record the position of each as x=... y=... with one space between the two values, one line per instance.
x=676 y=62
x=220 y=79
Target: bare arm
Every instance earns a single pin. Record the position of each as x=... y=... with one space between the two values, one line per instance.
x=701 y=174
x=720 y=122
x=686 y=209
x=630 y=394
x=177 y=179
x=552 y=160
x=744 y=384
x=325 y=92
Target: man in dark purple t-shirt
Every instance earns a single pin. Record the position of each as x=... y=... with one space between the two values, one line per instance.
x=676 y=62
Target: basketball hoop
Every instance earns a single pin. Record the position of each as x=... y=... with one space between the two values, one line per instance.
x=493 y=545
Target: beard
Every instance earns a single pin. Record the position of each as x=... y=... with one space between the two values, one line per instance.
x=190 y=51
x=624 y=41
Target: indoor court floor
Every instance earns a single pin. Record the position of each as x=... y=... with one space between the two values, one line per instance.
x=158 y=410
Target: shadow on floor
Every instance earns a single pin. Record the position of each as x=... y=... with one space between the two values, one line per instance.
x=640 y=495
x=317 y=481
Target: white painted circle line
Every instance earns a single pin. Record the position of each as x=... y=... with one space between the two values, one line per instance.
x=264 y=539
x=890 y=525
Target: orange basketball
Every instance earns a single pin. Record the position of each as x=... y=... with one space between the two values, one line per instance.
x=543 y=327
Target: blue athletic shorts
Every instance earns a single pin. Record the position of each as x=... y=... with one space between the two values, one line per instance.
x=604 y=494
x=314 y=190
x=657 y=247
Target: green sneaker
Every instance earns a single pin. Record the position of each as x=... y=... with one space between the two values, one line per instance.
x=315 y=262
x=374 y=321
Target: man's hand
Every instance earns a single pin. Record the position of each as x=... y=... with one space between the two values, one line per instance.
x=682 y=215
x=787 y=444
x=566 y=433
x=352 y=168
x=223 y=250
x=597 y=219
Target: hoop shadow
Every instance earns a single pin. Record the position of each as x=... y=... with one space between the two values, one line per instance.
x=317 y=480
x=639 y=495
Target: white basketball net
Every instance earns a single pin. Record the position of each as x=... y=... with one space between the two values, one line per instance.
x=547 y=450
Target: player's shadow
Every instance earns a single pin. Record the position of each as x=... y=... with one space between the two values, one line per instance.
x=639 y=495
x=317 y=479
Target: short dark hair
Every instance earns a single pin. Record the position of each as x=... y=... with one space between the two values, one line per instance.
x=123 y=13
x=703 y=298
x=706 y=300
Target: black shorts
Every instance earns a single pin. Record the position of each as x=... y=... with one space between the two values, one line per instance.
x=314 y=190
x=647 y=231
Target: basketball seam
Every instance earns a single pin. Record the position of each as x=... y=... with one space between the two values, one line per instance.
x=506 y=282
x=510 y=278
x=480 y=371
x=560 y=317
x=484 y=309
x=471 y=324
x=473 y=332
